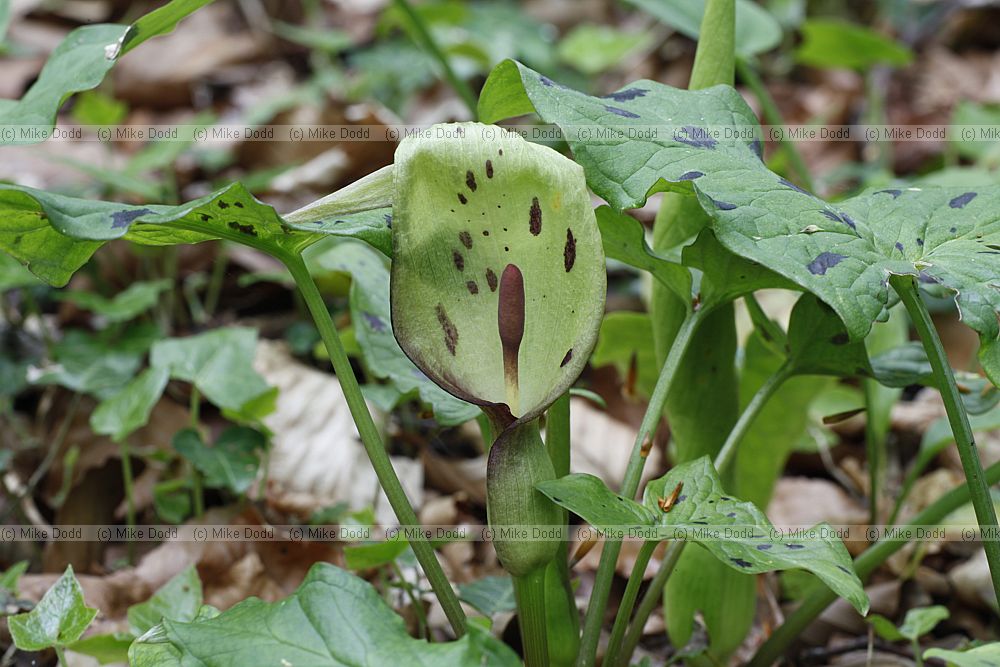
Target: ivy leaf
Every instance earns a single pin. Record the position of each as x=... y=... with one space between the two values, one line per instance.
x=371 y=315
x=60 y=618
x=490 y=595
x=136 y=299
x=917 y=623
x=987 y=655
x=220 y=364
x=231 y=462
x=79 y=63
x=129 y=409
x=54 y=235
x=948 y=237
x=10 y=576
x=702 y=513
x=333 y=619
x=90 y=365
x=179 y=599
x=486 y=227
x=107 y=649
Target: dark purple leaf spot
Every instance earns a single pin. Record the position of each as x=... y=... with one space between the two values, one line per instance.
x=899 y=246
x=569 y=252
x=450 y=332
x=470 y=180
x=758 y=148
x=620 y=112
x=374 y=322
x=462 y=199
x=546 y=81
x=535 y=217
x=894 y=193
x=459 y=261
x=223 y=205
x=247 y=230
x=763 y=547
x=491 y=280
x=788 y=184
x=566 y=359
x=680 y=498
x=388 y=220
x=121 y=219
x=695 y=136
x=466 y=239
x=238 y=204
x=962 y=200
x=927 y=278
x=795 y=547
x=489 y=169
x=731 y=515
x=472 y=287
x=723 y=205
x=840 y=338
x=206 y=218
x=953 y=230
x=920 y=242
x=626 y=95
x=691 y=175
x=844 y=569
x=824 y=262
x=831 y=215
x=741 y=562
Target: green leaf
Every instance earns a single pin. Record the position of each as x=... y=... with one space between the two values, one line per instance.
x=885 y=628
x=80 y=63
x=373 y=555
x=626 y=340
x=106 y=649
x=219 y=363
x=10 y=576
x=129 y=409
x=89 y=364
x=836 y=43
x=701 y=514
x=95 y=108
x=593 y=49
x=918 y=622
x=756 y=30
x=334 y=619
x=55 y=235
x=371 y=315
x=907 y=365
x=490 y=595
x=987 y=655
x=13 y=274
x=498 y=276
x=231 y=462
x=819 y=344
x=136 y=299
x=179 y=599
x=947 y=237
x=60 y=618
x=726 y=276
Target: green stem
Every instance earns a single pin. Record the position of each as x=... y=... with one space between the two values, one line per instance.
x=772 y=115
x=372 y=441
x=820 y=597
x=529 y=589
x=197 y=488
x=127 y=480
x=61 y=656
x=874 y=451
x=426 y=41
x=557 y=435
x=986 y=514
x=633 y=473
x=722 y=461
x=715 y=57
x=628 y=602
x=917 y=654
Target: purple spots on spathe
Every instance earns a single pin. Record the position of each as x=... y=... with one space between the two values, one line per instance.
x=470 y=180
x=121 y=219
x=620 y=112
x=691 y=175
x=466 y=239
x=569 y=252
x=375 y=322
x=472 y=287
x=448 y=328
x=535 y=217
x=462 y=199
x=458 y=259
x=824 y=262
x=491 y=280
x=697 y=137
x=962 y=201
x=626 y=94
x=566 y=359
x=489 y=169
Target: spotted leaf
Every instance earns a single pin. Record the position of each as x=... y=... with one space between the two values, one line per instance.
x=498 y=278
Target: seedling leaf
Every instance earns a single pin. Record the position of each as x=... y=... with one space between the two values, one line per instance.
x=60 y=618
x=987 y=655
x=129 y=409
x=231 y=462
x=179 y=599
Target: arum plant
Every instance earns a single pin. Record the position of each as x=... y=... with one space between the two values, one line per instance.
x=497 y=292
